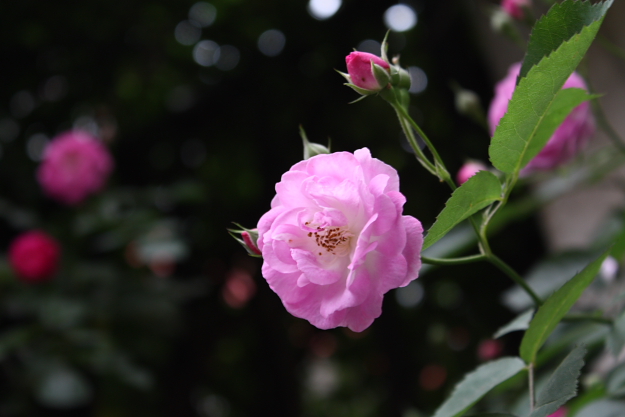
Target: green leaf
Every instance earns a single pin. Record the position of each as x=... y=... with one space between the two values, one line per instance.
x=478 y=192
x=564 y=101
x=562 y=385
x=615 y=384
x=521 y=322
x=537 y=91
x=477 y=383
x=616 y=338
x=556 y=306
x=563 y=21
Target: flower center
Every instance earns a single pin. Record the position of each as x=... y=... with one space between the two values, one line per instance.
x=333 y=240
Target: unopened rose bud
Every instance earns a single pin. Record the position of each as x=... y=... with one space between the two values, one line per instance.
x=468 y=170
x=363 y=73
x=248 y=239
x=250 y=242
x=518 y=9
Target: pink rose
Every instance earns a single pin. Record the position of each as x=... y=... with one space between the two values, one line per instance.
x=567 y=140
x=515 y=7
x=335 y=240
x=468 y=170
x=34 y=256
x=360 y=71
x=75 y=165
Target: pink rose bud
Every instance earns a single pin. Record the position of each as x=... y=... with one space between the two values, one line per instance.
x=361 y=72
x=34 y=256
x=516 y=8
x=75 y=165
x=335 y=240
x=247 y=238
x=567 y=141
x=468 y=170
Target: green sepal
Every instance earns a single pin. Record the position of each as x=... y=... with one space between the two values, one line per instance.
x=346 y=76
x=361 y=91
x=381 y=75
x=311 y=149
x=384 y=47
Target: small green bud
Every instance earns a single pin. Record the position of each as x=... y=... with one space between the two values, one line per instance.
x=311 y=149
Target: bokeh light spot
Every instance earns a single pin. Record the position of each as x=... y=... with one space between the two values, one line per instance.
x=193 y=153
x=371 y=46
x=9 y=129
x=229 y=57
x=271 y=42
x=410 y=296
x=323 y=9
x=432 y=377
x=206 y=53
x=203 y=13
x=181 y=98
x=400 y=18
x=418 y=80
x=36 y=145
x=188 y=32
x=22 y=103
x=54 y=89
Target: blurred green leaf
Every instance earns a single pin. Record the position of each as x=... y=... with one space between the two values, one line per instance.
x=546 y=277
x=562 y=385
x=615 y=383
x=521 y=322
x=615 y=340
x=477 y=383
x=63 y=387
x=603 y=408
x=478 y=192
x=518 y=137
x=554 y=308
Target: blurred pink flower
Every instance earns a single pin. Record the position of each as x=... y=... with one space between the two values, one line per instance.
x=335 y=240
x=560 y=413
x=75 y=165
x=34 y=256
x=239 y=288
x=515 y=7
x=468 y=170
x=567 y=140
x=489 y=349
x=359 y=69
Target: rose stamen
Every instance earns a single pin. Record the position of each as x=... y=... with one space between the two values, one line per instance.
x=334 y=240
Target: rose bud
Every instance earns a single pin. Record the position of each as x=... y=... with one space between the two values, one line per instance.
x=34 y=256
x=248 y=239
x=368 y=73
x=568 y=139
x=468 y=170
x=75 y=165
x=516 y=8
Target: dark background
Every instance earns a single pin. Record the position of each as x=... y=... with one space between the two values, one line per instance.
x=227 y=136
